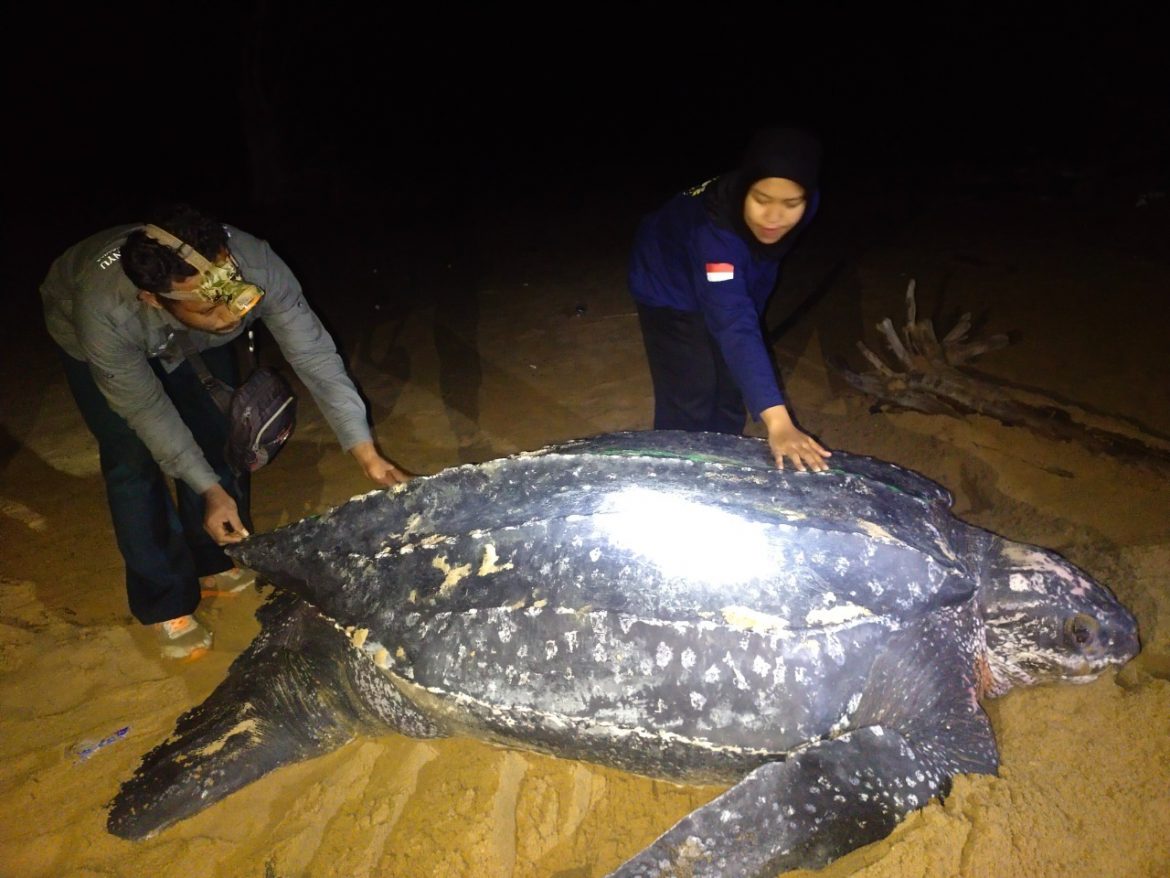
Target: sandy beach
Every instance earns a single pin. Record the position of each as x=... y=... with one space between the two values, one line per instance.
x=522 y=334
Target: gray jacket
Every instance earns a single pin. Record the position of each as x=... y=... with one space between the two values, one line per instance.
x=93 y=312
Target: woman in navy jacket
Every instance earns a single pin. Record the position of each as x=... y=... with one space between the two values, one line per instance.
x=703 y=268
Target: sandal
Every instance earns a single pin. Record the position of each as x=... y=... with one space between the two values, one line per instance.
x=183 y=638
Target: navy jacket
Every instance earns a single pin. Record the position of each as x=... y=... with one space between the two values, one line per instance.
x=683 y=259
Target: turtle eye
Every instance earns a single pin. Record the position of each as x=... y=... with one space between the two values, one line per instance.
x=1080 y=630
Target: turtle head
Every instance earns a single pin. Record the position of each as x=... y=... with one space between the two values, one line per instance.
x=1047 y=620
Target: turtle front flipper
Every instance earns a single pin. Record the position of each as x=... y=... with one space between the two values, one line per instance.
x=917 y=725
x=299 y=691
x=821 y=802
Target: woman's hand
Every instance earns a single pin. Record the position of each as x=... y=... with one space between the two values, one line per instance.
x=786 y=440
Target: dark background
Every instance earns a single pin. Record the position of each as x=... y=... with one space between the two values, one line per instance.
x=418 y=127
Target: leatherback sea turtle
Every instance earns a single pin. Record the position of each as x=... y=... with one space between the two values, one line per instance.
x=666 y=603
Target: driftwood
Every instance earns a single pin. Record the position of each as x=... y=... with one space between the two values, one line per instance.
x=928 y=377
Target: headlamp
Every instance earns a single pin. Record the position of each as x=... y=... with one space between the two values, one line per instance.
x=224 y=284
x=220 y=283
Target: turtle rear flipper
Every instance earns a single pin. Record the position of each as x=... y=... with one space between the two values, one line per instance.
x=818 y=804
x=299 y=691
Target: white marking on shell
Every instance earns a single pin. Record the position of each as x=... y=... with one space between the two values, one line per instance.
x=594 y=555
x=663 y=655
x=599 y=624
x=1020 y=582
x=626 y=715
x=834 y=649
x=747 y=619
x=740 y=680
x=550 y=649
x=506 y=629
x=779 y=672
x=698 y=700
x=846 y=718
x=489 y=563
x=761 y=667
x=839 y=615
x=876 y=532
x=712 y=674
x=571 y=640
x=687 y=659
x=451 y=575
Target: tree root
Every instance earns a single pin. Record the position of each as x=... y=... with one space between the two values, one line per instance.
x=927 y=377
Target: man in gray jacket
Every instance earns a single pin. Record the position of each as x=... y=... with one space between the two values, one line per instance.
x=113 y=304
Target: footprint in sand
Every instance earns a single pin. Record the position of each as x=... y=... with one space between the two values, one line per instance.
x=26 y=516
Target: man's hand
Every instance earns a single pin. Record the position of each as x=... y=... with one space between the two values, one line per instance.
x=786 y=440
x=378 y=468
x=221 y=516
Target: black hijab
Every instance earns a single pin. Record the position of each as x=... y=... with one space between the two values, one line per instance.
x=791 y=153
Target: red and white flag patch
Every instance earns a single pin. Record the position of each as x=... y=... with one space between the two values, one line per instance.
x=717 y=271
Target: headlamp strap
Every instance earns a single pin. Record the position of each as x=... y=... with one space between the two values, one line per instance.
x=184 y=250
